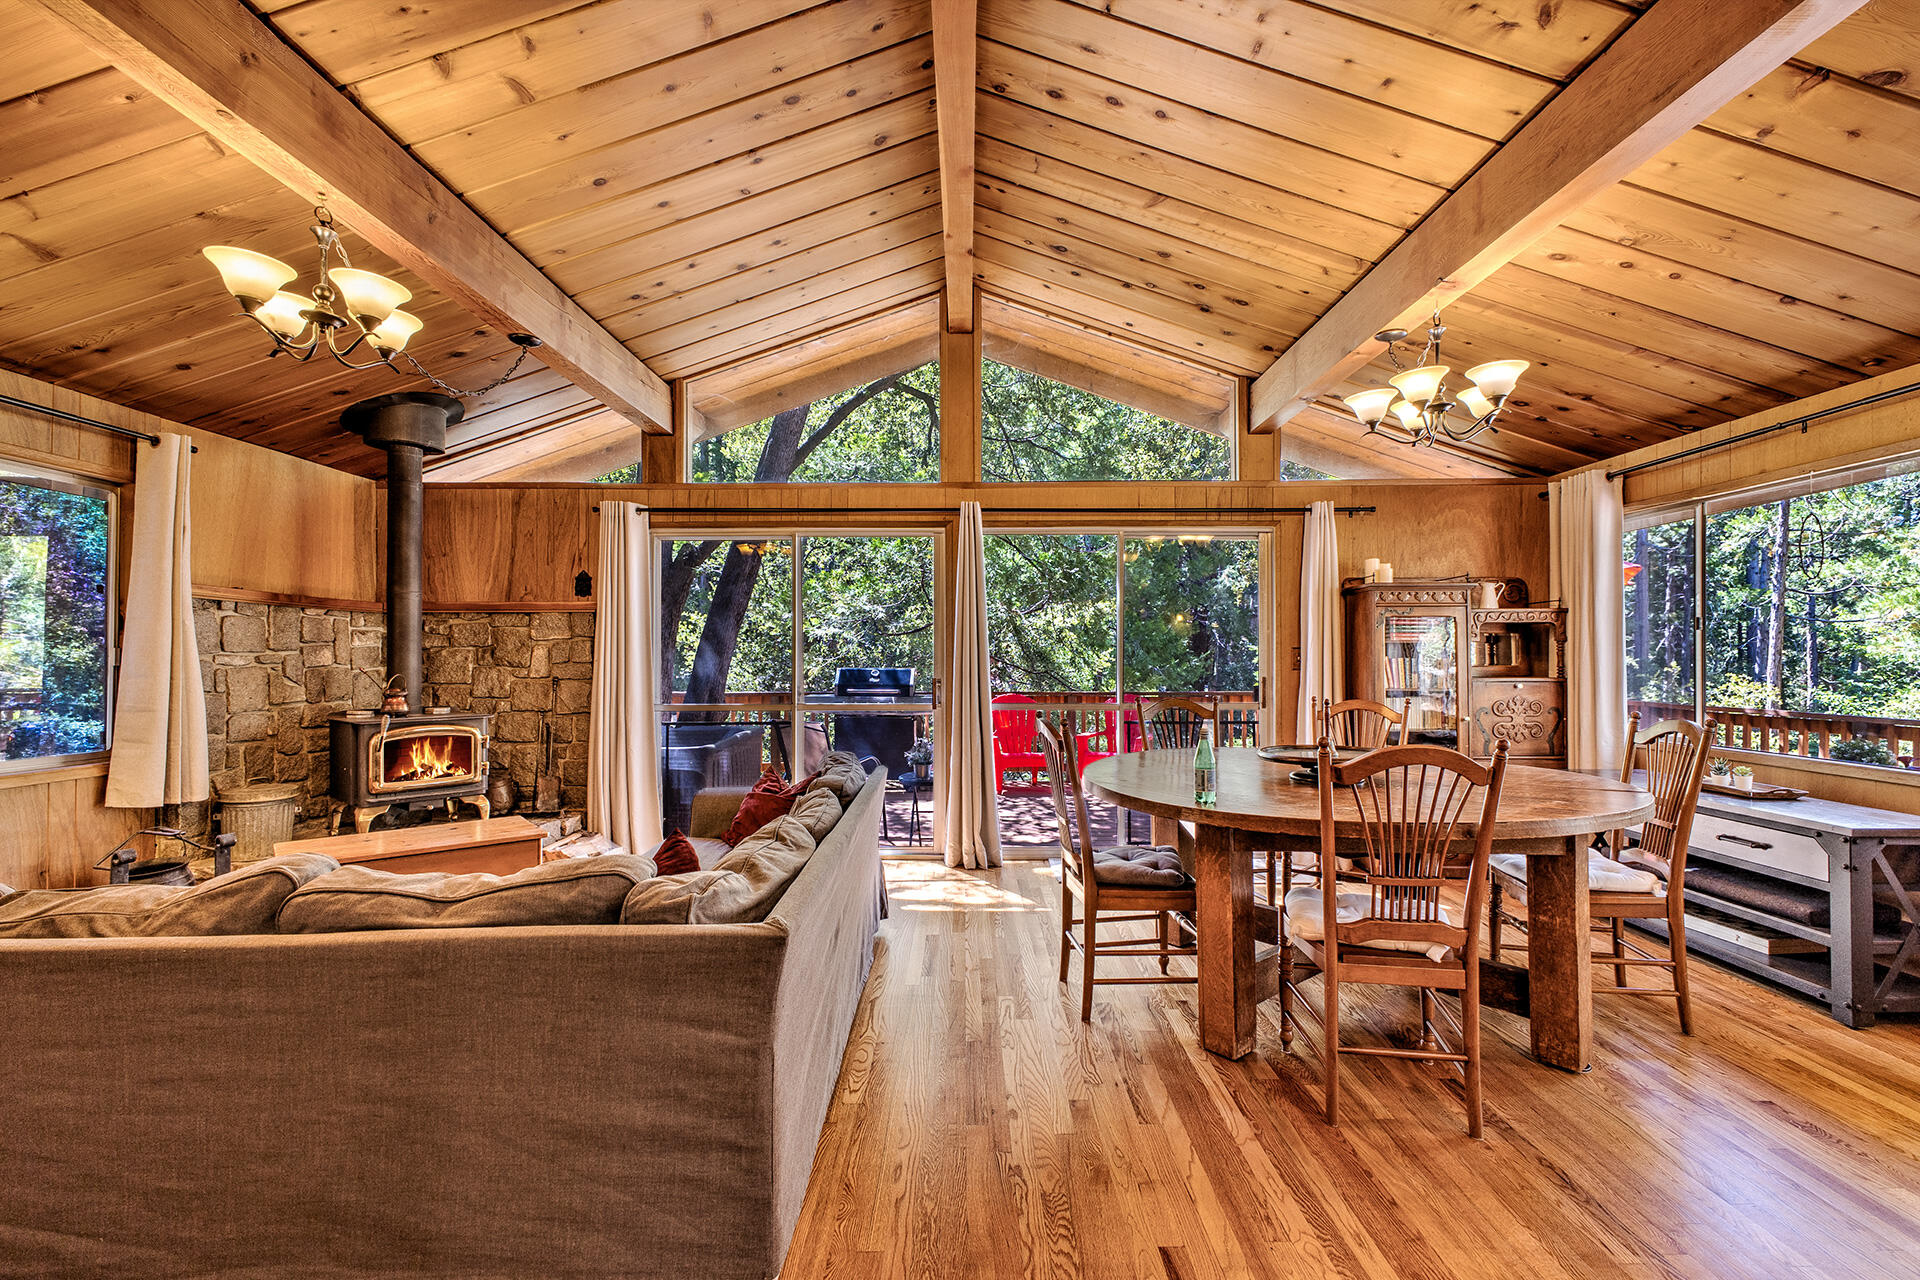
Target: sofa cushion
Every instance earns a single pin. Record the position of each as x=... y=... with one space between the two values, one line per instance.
x=841 y=774
x=770 y=798
x=571 y=891
x=819 y=811
x=740 y=889
x=242 y=901
x=675 y=855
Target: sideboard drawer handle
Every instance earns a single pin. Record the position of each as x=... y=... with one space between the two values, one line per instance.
x=1751 y=844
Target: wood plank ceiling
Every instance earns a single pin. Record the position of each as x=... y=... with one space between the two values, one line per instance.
x=748 y=196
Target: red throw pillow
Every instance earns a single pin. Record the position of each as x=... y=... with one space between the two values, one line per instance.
x=770 y=798
x=676 y=856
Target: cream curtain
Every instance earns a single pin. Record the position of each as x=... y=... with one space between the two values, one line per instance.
x=160 y=710
x=1322 y=637
x=623 y=764
x=970 y=834
x=1585 y=511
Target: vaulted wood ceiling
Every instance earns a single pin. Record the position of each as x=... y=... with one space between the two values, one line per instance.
x=758 y=198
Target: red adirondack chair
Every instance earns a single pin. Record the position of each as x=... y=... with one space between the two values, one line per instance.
x=1014 y=741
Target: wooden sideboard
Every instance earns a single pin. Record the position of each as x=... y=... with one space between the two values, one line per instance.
x=1470 y=677
x=1832 y=890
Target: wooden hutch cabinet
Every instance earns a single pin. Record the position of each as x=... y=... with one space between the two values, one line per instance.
x=1470 y=676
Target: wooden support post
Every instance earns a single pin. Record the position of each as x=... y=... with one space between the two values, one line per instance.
x=959 y=405
x=1560 y=981
x=663 y=459
x=1224 y=878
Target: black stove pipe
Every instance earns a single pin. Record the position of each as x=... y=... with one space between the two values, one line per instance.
x=407 y=426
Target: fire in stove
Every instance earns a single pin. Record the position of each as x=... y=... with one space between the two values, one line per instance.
x=425 y=757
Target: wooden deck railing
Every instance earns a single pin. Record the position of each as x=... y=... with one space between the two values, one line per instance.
x=1794 y=733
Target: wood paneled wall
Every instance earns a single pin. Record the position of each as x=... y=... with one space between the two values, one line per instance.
x=267 y=526
x=270 y=526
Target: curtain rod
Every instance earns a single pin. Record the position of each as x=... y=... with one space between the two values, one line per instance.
x=75 y=418
x=1061 y=511
x=1787 y=424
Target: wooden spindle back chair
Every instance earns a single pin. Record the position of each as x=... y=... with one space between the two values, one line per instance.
x=1410 y=803
x=1081 y=876
x=1360 y=723
x=1175 y=722
x=1673 y=757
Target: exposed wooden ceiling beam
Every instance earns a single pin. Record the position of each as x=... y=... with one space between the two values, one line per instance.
x=223 y=68
x=1677 y=64
x=955 y=53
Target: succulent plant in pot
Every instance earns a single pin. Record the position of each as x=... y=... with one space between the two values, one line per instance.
x=1743 y=777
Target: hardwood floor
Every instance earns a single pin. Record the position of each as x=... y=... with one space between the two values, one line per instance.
x=981 y=1130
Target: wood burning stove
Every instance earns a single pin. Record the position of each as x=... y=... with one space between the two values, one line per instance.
x=379 y=761
x=411 y=755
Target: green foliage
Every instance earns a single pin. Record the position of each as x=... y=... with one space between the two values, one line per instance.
x=1862 y=751
x=869 y=603
x=53 y=620
x=1191 y=610
x=1812 y=604
x=1051 y=611
x=1192 y=603
x=1193 y=616
x=1033 y=428
x=894 y=435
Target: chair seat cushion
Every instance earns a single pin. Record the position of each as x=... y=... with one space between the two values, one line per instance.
x=1604 y=875
x=1305 y=914
x=1140 y=867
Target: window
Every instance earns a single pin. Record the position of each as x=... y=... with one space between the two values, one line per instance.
x=1808 y=608
x=56 y=607
x=762 y=632
x=886 y=430
x=1033 y=428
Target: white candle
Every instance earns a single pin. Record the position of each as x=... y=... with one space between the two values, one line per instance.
x=1372 y=567
x=1385 y=573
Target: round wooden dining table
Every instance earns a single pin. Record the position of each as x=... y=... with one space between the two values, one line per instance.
x=1547 y=814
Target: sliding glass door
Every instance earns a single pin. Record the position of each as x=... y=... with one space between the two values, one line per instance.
x=1087 y=627
x=778 y=647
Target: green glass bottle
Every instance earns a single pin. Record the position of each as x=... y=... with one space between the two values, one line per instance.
x=1204 y=769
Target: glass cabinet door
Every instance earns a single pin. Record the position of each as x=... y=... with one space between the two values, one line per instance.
x=1421 y=652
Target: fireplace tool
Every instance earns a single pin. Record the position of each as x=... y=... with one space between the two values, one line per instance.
x=124 y=865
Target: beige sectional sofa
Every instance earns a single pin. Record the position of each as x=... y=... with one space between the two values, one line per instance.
x=566 y=1101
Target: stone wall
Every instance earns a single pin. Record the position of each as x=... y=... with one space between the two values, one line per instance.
x=529 y=671
x=273 y=674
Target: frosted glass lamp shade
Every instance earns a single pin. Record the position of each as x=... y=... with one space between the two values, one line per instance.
x=1496 y=378
x=281 y=313
x=1420 y=385
x=393 y=332
x=1475 y=403
x=1408 y=413
x=1370 y=406
x=251 y=277
x=368 y=295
